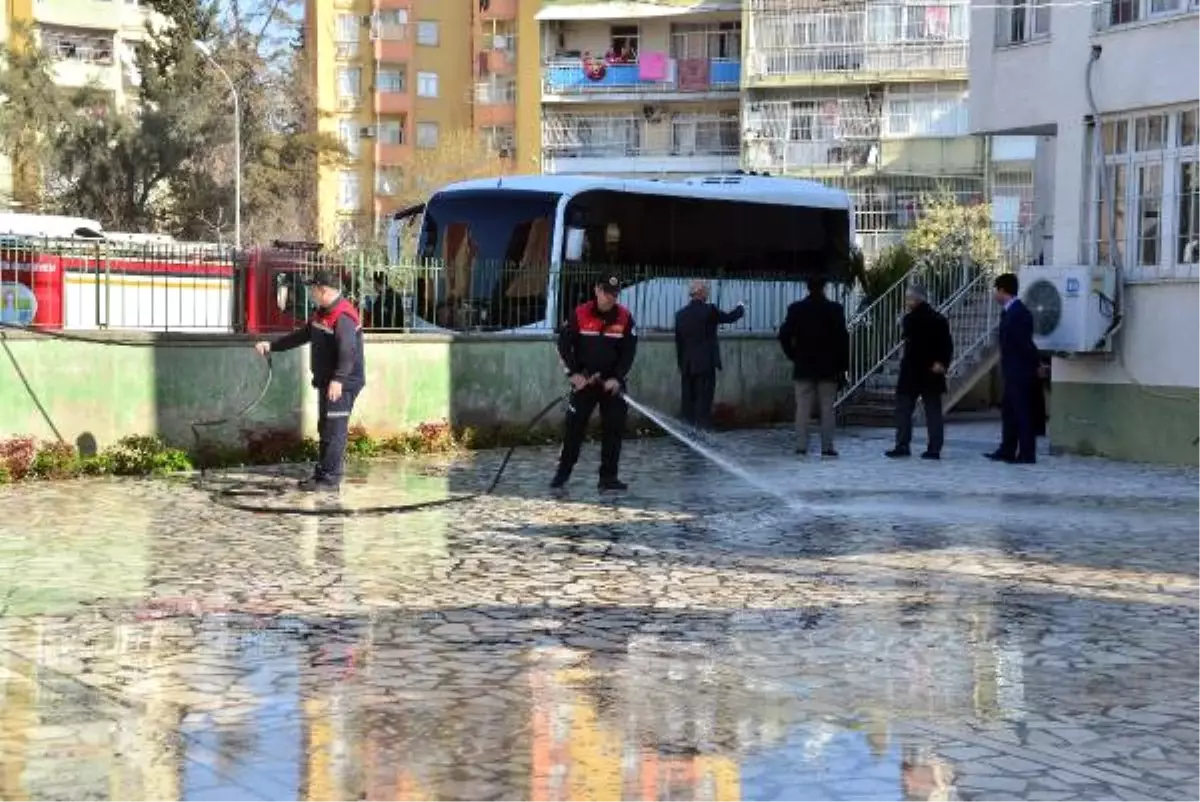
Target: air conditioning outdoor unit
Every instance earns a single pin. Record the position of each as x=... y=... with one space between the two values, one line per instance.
x=1072 y=306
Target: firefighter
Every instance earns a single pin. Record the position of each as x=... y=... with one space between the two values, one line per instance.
x=597 y=345
x=334 y=335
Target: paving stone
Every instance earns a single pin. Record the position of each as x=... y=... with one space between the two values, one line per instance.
x=884 y=627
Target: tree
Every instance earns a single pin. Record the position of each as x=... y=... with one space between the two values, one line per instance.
x=460 y=155
x=32 y=112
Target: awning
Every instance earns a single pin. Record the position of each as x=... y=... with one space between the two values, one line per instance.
x=632 y=10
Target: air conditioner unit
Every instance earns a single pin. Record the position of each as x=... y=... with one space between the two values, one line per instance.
x=367 y=132
x=1072 y=306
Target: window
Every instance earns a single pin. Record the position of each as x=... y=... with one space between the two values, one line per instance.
x=427 y=84
x=1111 y=13
x=389 y=181
x=927 y=115
x=347 y=28
x=706 y=40
x=392 y=16
x=899 y=118
x=427 y=33
x=390 y=80
x=625 y=41
x=75 y=45
x=500 y=139
x=1188 y=250
x=427 y=135
x=349 y=136
x=349 y=82
x=502 y=92
x=349 y=190
x=391 y=132
x=1149 y=213
x=1019 y=22
x=802 y=124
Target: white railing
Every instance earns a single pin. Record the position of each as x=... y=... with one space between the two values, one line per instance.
x=797 y=60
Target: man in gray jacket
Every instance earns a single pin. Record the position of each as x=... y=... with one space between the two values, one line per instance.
x=699 y=355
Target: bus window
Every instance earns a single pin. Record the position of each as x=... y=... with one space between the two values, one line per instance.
x=494 y=246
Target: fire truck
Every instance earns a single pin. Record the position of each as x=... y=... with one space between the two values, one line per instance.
x=64 y=273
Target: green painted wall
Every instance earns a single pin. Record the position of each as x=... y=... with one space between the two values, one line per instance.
x=1126 y=421
x=109 y=391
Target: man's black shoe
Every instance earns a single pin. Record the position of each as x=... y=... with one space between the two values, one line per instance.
x=897 y=453
x=612 y=484
x=559 y=481
x=829 y=452
x=931 y=455
x=1024 y=461
x=997 y=456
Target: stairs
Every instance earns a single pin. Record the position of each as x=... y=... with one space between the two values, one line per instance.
x=963 y=293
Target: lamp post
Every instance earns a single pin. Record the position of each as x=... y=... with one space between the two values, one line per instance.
x=207 y=52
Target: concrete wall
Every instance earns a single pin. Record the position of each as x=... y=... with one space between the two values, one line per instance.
x=108 y=391
x=1141 y=402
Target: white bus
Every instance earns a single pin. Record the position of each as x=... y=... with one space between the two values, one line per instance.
x=518 y=253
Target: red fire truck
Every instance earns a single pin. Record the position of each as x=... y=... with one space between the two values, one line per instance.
x=64 y=273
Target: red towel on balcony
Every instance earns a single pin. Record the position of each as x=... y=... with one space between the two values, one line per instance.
x=652 y=66
x=692 y=75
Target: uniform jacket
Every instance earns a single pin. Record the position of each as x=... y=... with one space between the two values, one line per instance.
x=814 y=337
x=696 y=348
x=336 y=340
x=926 y=341
x=1019 y=358
x=598 y=343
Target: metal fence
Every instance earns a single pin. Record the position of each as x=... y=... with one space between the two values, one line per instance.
x=191 y=287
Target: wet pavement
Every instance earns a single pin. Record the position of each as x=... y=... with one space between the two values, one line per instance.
x=954 y=630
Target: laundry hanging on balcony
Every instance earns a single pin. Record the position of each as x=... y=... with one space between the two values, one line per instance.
x=692 y=74
x=653 y=65
x=937 y=22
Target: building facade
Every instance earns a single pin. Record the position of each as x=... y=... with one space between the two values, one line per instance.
x=870 y=95
x=639 y=89
x=1122 y=71
x=395 y=78
x=91 y=42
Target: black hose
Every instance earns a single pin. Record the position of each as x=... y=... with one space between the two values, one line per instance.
x=227 y=496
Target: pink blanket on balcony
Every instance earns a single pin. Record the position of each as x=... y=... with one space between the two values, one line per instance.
x=693 y=75
x=652 y=66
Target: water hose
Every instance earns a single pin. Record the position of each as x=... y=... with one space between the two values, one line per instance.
x=227 y=496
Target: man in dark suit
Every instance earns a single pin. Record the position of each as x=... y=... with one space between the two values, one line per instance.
x=928 y=349
x=815 y=339
x=698 y=354
x=1019 y=364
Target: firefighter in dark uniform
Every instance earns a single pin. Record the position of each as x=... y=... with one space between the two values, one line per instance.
x=597 y=345
x=334 y=335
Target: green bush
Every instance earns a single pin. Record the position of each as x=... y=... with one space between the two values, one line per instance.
x=56 y=461
x=146 y=456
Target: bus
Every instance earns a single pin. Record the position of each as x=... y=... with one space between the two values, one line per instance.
x=517 y=253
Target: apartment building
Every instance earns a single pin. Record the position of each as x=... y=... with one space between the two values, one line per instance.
x=1122 y=72
x=396 y=77
x=91 y=42
x=870 y=95
x=643 y=89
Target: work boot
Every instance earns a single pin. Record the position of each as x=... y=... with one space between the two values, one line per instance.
x=559 y=481
x=897 y=453
x=612 y=483
x=933 y=455
x=829 y=452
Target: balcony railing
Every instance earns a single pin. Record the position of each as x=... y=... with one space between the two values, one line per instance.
x=776 y=156
x=807 y=60
x=571 y=77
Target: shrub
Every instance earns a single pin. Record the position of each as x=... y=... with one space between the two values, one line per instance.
x=55 y=461
x=146 y=456
x=17 y=455
x=271 y=446
x=360 y=445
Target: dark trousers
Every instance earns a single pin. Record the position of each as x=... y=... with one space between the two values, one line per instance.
x=612 y=425
x=1017 y=437
x=906 y=405
x=333 y=429
x=696 y=398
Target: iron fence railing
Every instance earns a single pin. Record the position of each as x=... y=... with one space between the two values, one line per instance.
x=193 y=287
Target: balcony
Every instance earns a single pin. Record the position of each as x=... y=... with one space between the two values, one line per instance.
x=393 y=103
x=497 y=61
x=631 y=144
x=497 y=9
x=393 y=43
x=388 y=154
x=878 y=42
x=817 y=157
x=569 y=80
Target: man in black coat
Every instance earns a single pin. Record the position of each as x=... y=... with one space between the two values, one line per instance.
x=1019 y=364
x=698 y=354
x=814 y=337
x=928 y=349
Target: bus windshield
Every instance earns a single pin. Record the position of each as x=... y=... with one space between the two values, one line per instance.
x=493 y=248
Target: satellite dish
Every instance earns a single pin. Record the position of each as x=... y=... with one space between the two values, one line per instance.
x=1045 y=303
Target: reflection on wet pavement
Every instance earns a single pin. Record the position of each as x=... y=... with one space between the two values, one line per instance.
x=961 y=630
